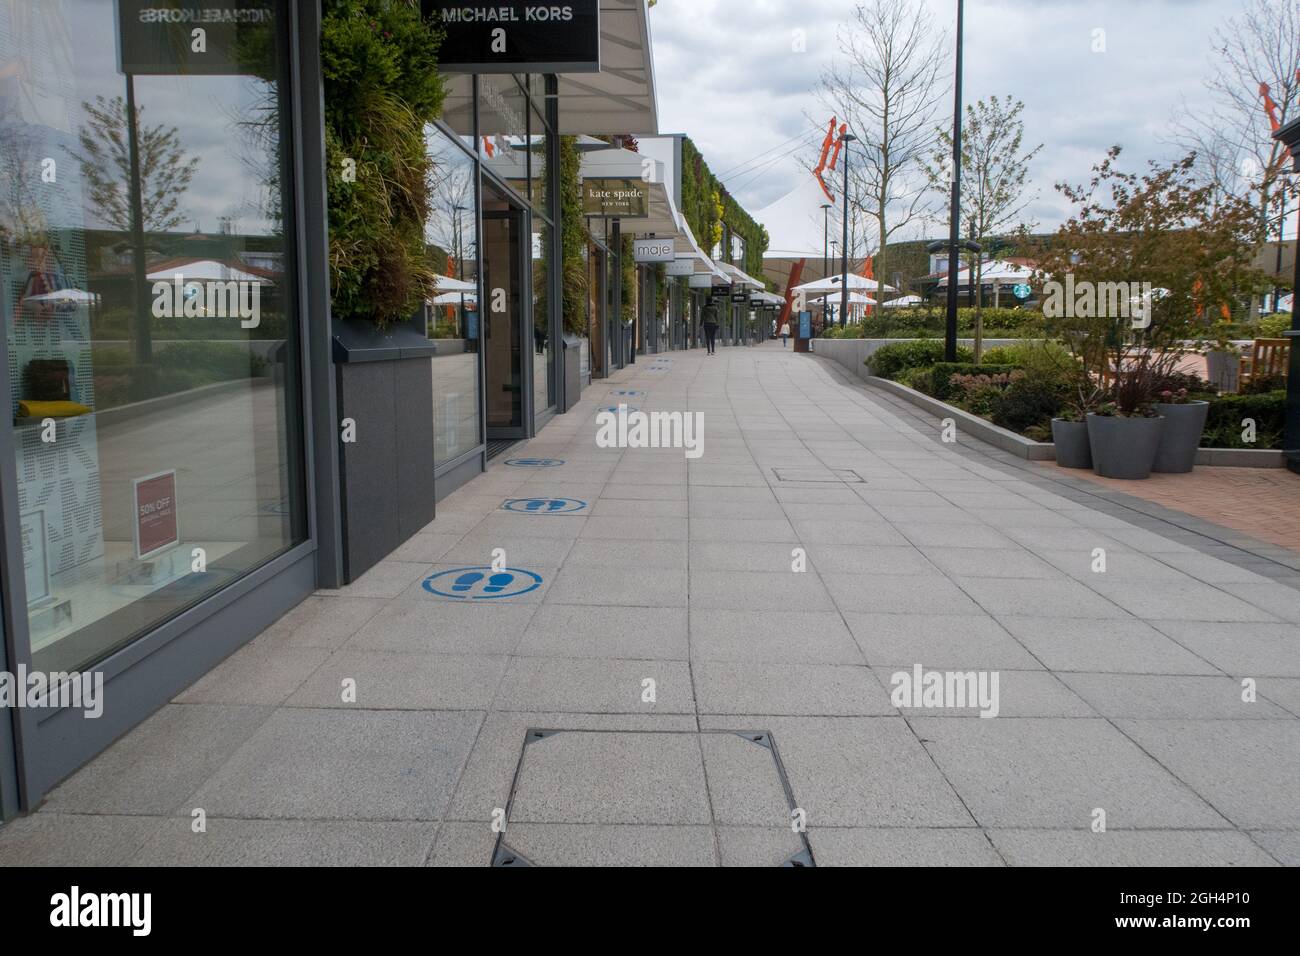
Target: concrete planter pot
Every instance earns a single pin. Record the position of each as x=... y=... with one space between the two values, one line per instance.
x=1071 y=441
x=1181 y=436
x=1123 y=447
x=1223 y=370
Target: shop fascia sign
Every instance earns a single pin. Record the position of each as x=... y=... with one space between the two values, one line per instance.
x=654 y=250
x=615 y=198
x=191 y=37
x=517 y=36
x=681 y=267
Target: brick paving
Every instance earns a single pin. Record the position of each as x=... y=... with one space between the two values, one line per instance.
x=1261 y=502
x=666 y=615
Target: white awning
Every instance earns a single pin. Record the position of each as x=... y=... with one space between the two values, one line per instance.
x=621 y=98
x=739 y=277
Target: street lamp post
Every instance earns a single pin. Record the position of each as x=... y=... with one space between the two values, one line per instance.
x=954 y=215
x=827 y=304
x=826 y=259
x=845 y=138
x=826 y=235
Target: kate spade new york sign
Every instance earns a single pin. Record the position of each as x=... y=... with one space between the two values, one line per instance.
x=504 y=36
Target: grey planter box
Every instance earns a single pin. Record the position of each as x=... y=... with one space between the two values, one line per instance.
x=1123 y=447
x=1181 y=436
x=385 y=385
x=1071 y=441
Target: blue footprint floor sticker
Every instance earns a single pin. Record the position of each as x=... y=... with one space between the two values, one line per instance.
x=482 y=584
x=544 y=506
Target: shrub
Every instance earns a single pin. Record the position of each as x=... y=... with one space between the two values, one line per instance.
x=917 y=378
x=1040 y=358
x=1224 y=422
x=1272 y=326
x=890 y=360
x=1263 y=385
x=941 y=375
x=1027 y=403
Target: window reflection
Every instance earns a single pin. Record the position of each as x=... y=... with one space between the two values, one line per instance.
x=147 y=303
x=452 y=235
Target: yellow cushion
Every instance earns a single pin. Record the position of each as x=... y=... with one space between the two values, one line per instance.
x=31 y=409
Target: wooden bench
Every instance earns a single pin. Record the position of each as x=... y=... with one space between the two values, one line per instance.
x=1268 y=358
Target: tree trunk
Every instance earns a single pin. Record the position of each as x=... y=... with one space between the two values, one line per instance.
x=977 y=287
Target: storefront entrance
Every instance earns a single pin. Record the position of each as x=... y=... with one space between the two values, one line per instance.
x=505 y=260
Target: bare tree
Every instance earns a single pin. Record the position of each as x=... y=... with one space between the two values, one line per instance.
x=105 y=160
x=1256 y=49
x=994 y=167
x=885 y=85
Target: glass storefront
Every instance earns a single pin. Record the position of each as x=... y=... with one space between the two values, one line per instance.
x=503 y=332
x=452 y=235
x=543 y=386
x=148 y=298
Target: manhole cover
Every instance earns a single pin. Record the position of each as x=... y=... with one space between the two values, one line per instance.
x=841 y=475
x=632 y=798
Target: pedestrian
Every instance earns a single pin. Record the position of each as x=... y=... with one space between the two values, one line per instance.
x=785 y=333
x=711 y=326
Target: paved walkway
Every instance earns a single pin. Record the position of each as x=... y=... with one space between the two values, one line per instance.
x=704 y=692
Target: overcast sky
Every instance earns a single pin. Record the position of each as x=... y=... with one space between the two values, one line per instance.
x=728 y=77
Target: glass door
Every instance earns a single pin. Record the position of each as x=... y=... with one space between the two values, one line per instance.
x=503 y=270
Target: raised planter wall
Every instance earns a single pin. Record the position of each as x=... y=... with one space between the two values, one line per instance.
x=1023 y=447
x=852 y=353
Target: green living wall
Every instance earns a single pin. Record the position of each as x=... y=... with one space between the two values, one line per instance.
x=713 y=213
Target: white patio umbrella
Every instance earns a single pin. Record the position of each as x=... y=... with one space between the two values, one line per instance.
x=902 y=302
x=454 y=298
x=205 y=270
x=64 y=297
x=855 y=298
x=832 y=284
x=448 y=284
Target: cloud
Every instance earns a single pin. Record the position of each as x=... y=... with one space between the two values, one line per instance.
x=732 y=76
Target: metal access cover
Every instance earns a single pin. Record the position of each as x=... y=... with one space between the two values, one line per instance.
x=819 y=474
x=647 y=797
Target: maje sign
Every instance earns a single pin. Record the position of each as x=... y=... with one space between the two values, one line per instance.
x=654 y=250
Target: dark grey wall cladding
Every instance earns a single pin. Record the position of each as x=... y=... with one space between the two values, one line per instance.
x=369 y=465
x=413 y=417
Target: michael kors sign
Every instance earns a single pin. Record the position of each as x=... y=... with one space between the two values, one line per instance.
x=517 y=36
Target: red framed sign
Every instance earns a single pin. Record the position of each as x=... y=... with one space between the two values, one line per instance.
x=156 y=525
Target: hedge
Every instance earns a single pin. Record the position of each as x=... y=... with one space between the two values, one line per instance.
x=889 y=360
x=1223 y=426
x=942 y=373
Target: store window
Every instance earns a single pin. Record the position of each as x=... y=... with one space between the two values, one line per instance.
x=147 y=294
x=543 y=386
x=503 y=130
x=452 y=235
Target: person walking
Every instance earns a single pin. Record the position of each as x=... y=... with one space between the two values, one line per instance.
x=711 y=326
x=785 y=333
